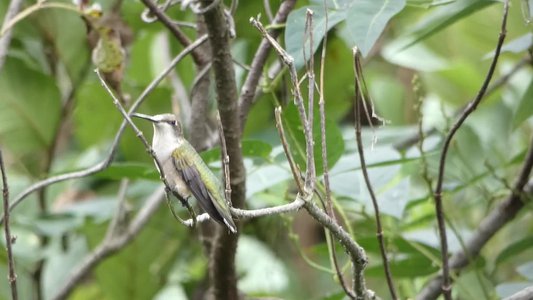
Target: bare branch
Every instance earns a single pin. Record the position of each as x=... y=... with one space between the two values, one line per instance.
x=298 y=100
x=12 y=276
x=256 y=213
x=5 y=40
x=112 y=245
x=248 y=90
x=488 y=227
x=360 y=98
x=109 y=158
x=439 y=211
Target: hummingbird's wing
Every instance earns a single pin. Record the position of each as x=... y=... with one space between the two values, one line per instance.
x=188 y=170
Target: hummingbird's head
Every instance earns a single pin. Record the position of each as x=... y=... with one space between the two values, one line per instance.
x=166 y=125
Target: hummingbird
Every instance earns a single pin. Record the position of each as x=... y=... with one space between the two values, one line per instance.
x=184 y=169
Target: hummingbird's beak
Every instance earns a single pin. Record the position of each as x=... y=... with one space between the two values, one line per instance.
x=143 y=116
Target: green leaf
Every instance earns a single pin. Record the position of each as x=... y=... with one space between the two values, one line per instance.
x=250 y=148
x=29 y=109
x=294 y=132
x=506 y=289
x=526 y=270
x=262 y=271
x=139 y=270
x=445 y=16
x=366 y=20
x=295 y=30
x=518 y=45
x=525 y=107
x=514 y=249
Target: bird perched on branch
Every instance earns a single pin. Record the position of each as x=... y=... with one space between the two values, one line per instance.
x=185 y=171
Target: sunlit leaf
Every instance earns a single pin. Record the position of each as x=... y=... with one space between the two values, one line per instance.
x=366 y=20
x=29 y=110
x=514 y=249
x=444 y=16
x=262 y=271
x=525 y=107
x=296 y=139
x=294 y=32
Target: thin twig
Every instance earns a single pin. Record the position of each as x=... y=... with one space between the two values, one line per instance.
x=310 y=65
x=325 y=167
x=359 y=99
x=12 y=276
x=109 y=158
x=298 y=100
x=225 y=161
x=249 y=88
x=110 y=246
x=5 y=40
x=294 y=168
x=439 y=211
x=489 y=226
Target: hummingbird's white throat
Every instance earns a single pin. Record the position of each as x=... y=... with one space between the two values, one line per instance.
x=166 y=139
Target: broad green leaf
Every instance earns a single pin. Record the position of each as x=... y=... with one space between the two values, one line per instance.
x=506 y=289
x=518 y=45
x=294 y=132
x=264 y=177
x=526 y=270
x=525 y=107
x=514 y=249
x=250 y=148
x=417 y=57
x=295 y=30
x=366 y=20
x=53 y=225
x=69 y=34
x=262 y=271
x=61 y=261
x=95 y=117
x=30 y=106
x=443 y=17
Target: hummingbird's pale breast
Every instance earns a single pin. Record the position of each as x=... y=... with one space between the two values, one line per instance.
x=164 y=142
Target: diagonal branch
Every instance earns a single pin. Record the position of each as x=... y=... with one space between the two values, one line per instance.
x=439 y=211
